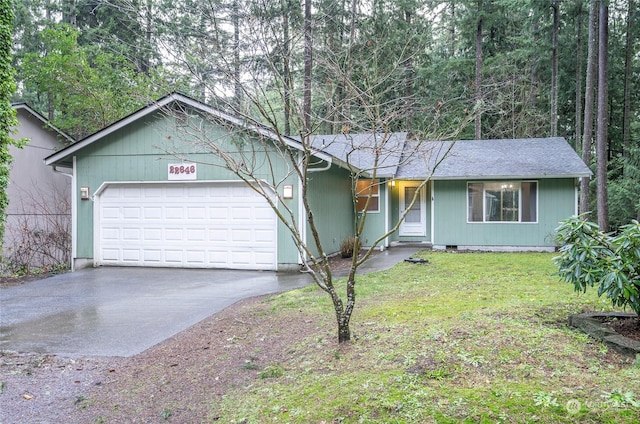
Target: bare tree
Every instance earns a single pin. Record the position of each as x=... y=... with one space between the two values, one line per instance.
x=260 y=153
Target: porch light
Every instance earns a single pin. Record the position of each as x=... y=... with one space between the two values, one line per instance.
x=392 y=183
x=287 y=191
x=84 y=193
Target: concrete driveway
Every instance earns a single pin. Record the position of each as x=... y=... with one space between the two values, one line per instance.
x=114 y=311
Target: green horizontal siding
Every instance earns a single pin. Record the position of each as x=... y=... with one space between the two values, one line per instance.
x=556 y=201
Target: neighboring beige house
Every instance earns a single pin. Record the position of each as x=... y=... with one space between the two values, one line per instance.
x=37 y=231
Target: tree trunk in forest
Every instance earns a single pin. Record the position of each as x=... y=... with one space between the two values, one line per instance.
x=554 y=71
x=408 y=90
x=308 y=61
x=286 y=70
x=452 y=29
x=601 y=122
x=478 y=92
x=628 y=62
x=589 y=94
x=237 y=90
x=146 y=54
x=579 y=43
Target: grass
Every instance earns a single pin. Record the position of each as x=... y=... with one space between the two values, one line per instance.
x=477 y=338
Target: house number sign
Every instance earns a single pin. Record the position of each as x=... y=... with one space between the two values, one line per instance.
x=181 y=171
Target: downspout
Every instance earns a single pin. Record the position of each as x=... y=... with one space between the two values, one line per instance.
x=74 y=215
x=73 y=208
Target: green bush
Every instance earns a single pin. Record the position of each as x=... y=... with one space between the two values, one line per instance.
x=589 y=257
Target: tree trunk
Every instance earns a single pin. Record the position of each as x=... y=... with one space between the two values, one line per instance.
x=587 y=132
x=601 y=124
x=237 y=86
x=308 y=61
x=286 y=59
x=478 y=92
x=579 y=42
x=628 y=58
x=408 y=91
x=554 y=71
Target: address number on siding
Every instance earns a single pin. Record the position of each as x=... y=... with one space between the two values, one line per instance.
x=181 y=171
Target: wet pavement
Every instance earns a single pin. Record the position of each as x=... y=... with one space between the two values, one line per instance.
x=114 y=311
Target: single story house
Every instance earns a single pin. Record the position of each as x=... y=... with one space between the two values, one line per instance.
x=149 y=190
x=39 y=213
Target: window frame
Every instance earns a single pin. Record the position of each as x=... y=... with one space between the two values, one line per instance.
x=520 y=201
x=365 y=194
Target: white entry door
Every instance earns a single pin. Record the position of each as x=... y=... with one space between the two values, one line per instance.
x=415 y=222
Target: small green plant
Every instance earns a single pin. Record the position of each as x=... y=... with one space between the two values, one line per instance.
x=272 y=371
x=166 y=413
x=544 y=399
x=347 y=247
x=250 y=365
x=589 y=257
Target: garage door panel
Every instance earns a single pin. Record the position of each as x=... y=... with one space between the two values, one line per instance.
x=204 y=225
x=151 y=212
x=131 y=255
x=110 y=213
x=152 y=234
x=131 y=234
x=152 y=256
x=174 y=212
x=197 y=212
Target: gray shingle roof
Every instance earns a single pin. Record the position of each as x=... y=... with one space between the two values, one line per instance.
x=523 y=158
x=464 y=159
x=359 y=150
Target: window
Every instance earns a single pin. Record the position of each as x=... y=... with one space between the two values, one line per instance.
x=503 y=201
x=368 y=189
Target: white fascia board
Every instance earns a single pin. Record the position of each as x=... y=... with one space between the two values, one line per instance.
x=507 y=177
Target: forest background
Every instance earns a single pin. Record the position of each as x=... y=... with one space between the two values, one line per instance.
x=464 y=69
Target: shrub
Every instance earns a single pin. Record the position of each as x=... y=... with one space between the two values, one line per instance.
x=347 y=246
x=589 y=257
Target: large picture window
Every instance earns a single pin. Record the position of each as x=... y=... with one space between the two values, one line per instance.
x=365 y=189
x=503 y=201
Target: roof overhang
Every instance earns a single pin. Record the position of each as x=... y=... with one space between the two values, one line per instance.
x=45 y=122
x=63 y=155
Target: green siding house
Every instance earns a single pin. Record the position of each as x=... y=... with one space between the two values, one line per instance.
x=151 y=190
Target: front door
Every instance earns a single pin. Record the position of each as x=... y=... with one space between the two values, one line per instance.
x=415 y=222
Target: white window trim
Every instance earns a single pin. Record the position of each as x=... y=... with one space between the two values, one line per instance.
x=519 y=221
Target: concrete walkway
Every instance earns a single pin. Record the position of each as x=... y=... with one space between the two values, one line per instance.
x=113 y=311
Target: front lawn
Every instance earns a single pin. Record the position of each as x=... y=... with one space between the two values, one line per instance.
x=467 y=337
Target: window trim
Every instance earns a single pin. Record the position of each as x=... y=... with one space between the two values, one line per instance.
x=519 y=182
x=372 y=182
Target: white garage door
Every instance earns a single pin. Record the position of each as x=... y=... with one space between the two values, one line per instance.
x=190 y=225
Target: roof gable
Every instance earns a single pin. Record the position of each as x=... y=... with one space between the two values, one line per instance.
x=64 y=155
x=25 y=108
